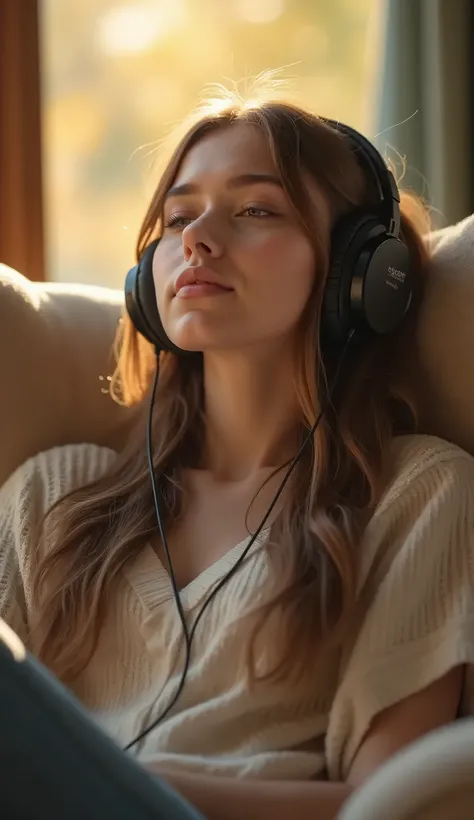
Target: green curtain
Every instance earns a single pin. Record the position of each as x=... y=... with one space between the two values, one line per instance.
x=424 y=107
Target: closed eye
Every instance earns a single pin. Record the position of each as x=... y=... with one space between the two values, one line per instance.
x=177 y=221
x=253 y=211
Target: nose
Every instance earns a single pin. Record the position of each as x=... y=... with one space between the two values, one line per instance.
x=199 y=242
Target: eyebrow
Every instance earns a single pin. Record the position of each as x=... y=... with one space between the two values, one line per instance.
x=241 y=181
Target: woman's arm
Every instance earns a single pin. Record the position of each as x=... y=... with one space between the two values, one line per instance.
x=225 y=798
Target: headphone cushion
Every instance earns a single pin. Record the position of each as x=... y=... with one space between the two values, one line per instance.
x=140 y=298
x=141 y=304
x=147 y=298
x=349 y=237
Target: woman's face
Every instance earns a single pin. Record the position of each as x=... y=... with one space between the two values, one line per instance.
x=234 y=268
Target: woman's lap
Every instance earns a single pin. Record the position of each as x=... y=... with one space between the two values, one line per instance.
x=55 y=763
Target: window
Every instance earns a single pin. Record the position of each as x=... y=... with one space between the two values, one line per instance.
x=117 y=75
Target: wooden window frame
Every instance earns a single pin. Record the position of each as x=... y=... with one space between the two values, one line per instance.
x=21 y=193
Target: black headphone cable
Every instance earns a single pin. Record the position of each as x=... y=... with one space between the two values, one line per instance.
x=187 y=633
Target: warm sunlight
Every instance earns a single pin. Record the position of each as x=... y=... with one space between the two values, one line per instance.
x=138 y=26
x=106 y=107
x=266 y=11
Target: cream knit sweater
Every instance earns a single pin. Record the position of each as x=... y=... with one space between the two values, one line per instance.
x=416 y=581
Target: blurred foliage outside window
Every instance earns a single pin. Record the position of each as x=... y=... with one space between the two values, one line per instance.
x=117 y=75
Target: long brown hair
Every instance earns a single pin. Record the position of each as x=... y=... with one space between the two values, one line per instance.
x=97 y=529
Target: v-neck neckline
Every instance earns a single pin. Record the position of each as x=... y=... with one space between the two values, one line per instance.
x=151 y=580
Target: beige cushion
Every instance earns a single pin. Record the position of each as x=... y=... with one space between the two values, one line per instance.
x=433 y=779
x=442 y=367
x=56 y=340
x=55 y=344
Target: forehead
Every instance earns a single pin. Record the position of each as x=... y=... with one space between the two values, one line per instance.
x=234 y=149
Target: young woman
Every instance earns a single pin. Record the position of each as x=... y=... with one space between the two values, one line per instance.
x=343 y=631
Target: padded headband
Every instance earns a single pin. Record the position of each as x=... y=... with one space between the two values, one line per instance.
x=384 y=183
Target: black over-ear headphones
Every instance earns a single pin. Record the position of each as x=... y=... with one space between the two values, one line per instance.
x=369 y=286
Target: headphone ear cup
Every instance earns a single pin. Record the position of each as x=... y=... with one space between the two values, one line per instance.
x=370 y=282
x=140 y=297
x=349 y=237
x=133 y=306
x=141 y=304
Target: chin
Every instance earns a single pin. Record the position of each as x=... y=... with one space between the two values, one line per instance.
x=198 y=345
x=198 y=336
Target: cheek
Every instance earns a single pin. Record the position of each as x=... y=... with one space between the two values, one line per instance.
x=284 y=270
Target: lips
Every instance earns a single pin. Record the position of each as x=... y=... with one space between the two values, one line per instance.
x=199 y=276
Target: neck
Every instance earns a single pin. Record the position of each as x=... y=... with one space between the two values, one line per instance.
x=250 y=412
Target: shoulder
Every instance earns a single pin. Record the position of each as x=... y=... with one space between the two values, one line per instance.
x=45 y=478
x=427 y=504
x=424 y=451
x=25 y=498
x=419 y=467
